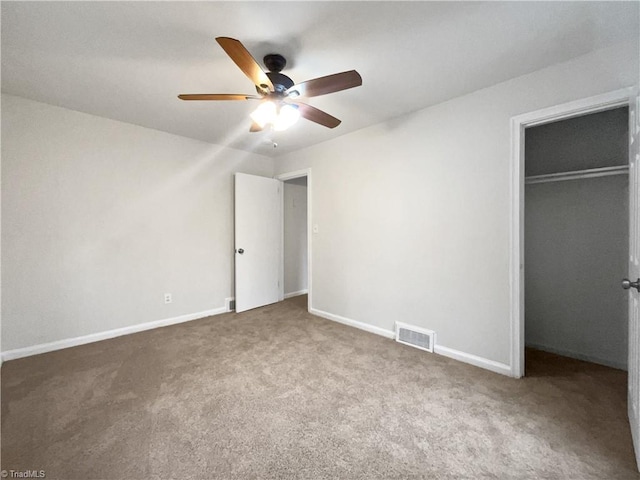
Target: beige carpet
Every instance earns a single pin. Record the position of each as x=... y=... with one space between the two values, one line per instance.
x=278 y=393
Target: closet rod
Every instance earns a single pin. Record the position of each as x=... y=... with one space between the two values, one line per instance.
x=578 y=174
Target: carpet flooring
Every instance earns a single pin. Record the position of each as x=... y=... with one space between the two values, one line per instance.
x=277 y=393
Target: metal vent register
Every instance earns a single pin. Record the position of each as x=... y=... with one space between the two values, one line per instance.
x=415 y=336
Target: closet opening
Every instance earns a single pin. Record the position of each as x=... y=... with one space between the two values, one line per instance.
x=576 y=245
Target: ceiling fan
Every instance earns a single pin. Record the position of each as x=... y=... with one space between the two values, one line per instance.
x=277 y=91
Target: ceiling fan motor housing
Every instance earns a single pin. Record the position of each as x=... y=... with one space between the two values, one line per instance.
x=275 y=63
x=281 y=82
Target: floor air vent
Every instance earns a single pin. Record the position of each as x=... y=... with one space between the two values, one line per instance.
x=415 y=336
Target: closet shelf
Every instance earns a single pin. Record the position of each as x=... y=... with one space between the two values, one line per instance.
x=578 y=174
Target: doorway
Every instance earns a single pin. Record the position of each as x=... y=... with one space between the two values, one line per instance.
x=576 y=239
x=272 y=239
x=598 y=103
x=625 y=97
x=296 y=235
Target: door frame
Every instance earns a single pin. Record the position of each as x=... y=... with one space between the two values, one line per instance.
x=597 y=103
x=290 y=176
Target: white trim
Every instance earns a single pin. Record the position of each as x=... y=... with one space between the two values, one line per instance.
x=469 y=358
x=295 y=294
x=634 y=435
x=584 y=106
x=290 y=176
x=282 y=233
x=309 y=238
x=475 y=360
x=597 y=103
x=354 y=323
x=577 y=175
x=295 y=174
x=516 y=264
x=96 y=337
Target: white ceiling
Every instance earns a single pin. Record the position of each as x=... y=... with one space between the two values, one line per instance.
x=128 y=60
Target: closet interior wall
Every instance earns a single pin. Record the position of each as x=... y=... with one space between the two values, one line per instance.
x=576 y=237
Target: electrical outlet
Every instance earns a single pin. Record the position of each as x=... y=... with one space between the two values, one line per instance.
x=167 y=298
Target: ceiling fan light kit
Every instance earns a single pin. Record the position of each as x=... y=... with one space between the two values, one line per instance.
x=264 y=114
x=287 y=117
x=277 y=91
x=280 y=117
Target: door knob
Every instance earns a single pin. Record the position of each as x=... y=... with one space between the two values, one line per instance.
x=241 y=251
x=627 y=284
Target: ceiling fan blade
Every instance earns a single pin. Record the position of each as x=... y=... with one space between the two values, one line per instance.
x=216 y=96
x=241 y=56
x=328 y=84
x=317 y=116
x=255 y=127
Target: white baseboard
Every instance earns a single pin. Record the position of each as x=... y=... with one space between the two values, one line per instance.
x=579 y=356
x=354 y=323
x=295 y=294
x=96 y=337
x=475 y=360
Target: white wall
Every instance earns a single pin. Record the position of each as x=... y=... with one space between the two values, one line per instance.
x=414 y=214
x=101 y=218
x=1 y=359
x=295 y=235
x=576 y=250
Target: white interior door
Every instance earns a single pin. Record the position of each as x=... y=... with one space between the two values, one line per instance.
x=633 y=402
x=258 y=241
